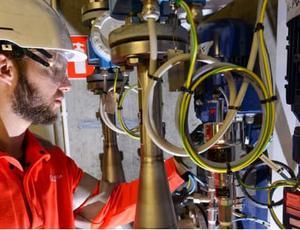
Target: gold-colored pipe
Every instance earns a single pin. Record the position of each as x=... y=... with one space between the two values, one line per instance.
x=225 y=212
x=112 y=170
x=111 y=159
x=55 y=4
x=224 y=182
x=154 y=207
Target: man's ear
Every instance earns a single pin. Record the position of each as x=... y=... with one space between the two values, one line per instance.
x=6 y=74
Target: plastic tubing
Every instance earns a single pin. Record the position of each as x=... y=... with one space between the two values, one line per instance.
x=244 y=86
x=129 y=132
x=107 y=120
x=148 y=120
x=194 y=41
x=153 y=44
x=266 y=224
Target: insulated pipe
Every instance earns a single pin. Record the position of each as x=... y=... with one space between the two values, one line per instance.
x=154 y=207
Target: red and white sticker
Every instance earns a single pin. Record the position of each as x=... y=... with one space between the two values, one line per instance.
x=79 y=70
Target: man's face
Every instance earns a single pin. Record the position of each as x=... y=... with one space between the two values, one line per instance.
x=40 y=90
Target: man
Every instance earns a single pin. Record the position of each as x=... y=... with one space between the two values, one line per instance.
x=40 y=186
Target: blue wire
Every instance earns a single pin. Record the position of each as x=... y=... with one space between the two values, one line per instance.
x=193 y=184
x=259 y=221
x=200 y=182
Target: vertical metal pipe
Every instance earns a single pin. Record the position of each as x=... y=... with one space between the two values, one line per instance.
x=154 y=207
x=111 y=159
x=56 y=4
x=212 y=206
x=53 y=3
x=225 y=212
x=224 y=185
x=112 y=170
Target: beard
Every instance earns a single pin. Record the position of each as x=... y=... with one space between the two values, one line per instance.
x=28 y=103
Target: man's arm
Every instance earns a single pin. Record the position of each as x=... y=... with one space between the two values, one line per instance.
x=88 y=201
x=115 y=207
x=86 y=187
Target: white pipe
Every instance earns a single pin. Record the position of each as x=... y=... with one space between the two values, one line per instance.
x=107 y=120
x=61 y=133
x=64 y=115
x=148 y=120
x=153 y=44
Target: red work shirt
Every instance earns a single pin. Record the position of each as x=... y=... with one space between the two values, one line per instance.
x=40 y=196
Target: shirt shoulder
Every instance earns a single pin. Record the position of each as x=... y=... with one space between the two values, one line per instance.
x=60 y=160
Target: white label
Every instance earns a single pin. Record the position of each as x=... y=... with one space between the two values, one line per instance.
x=293 y=9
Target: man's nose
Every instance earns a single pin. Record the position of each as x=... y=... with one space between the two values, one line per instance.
x=65 y=85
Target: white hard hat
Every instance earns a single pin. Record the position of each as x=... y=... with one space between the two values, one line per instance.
x=35 y=24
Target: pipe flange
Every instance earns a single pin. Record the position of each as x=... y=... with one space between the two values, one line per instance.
x=129 y=53
x=151 y=10
x=139 y=32
x=92 y=10
x=132 y=41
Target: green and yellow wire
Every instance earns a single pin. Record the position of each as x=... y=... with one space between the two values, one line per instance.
x=129 y=132
x=266 y=132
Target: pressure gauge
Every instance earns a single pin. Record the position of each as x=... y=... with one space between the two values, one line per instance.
x=100 y=31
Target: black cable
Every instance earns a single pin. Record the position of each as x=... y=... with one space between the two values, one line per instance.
x=204 y=214
x=272 y=190
x=250 y=169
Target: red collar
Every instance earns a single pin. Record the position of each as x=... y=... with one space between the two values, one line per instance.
x=34 y=152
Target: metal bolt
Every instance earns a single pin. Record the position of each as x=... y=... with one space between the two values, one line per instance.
x=151 y=10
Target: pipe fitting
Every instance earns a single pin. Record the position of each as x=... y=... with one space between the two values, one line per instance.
x=151 y=10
